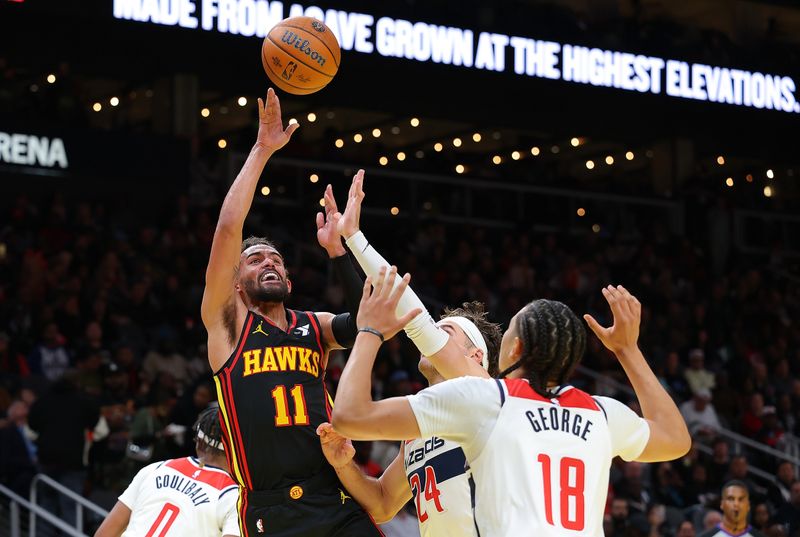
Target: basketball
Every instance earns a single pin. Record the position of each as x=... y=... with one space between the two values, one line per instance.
x=300 y=55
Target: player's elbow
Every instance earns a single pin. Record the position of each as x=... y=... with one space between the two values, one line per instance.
x=349 y=422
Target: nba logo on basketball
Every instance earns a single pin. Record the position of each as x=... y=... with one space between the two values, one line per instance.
x=289 y=70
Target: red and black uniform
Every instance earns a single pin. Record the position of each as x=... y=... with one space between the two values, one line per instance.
x=272 y=398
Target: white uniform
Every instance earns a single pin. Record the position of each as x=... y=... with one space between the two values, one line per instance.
x=439 y=480
x=540 y=465
x=178 y=498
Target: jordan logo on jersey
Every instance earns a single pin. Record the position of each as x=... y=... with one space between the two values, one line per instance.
x=260 y=525
x=301 y=330
x=258 y=329
x=344 y=496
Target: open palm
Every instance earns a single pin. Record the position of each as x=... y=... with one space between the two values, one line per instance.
x=271 y=134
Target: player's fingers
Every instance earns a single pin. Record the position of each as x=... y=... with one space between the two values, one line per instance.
x=379 y=281
x=330 y=201
x=273 y=104
x=408 y=317
x=324 y=427
x=399 y=288
x=613 y=298
x=388 y=284
x=290 y=129
x=624 y=301
x=594 y=325
x=367 y=285
x=360 y=185
x=260 y=108
x=320 y=220
x=633 y=305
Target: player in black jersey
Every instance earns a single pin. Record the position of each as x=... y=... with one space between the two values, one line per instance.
x=269 y=364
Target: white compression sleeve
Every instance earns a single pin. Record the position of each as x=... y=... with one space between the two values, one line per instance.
x=422 y=330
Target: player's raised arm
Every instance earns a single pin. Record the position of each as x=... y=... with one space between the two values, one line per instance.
x=432 y=341
x=383 y=497
x=669 y=437
x=355 y=414
x=338 y=331
x=219 y=310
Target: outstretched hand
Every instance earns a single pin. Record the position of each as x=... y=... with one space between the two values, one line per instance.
x=271 y=134
x=377 y=308
x=337 y=449
x=350 y=221
x=327 y=226
x=627 y=311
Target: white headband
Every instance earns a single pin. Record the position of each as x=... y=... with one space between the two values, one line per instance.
x=472 y=333
x=216 y=444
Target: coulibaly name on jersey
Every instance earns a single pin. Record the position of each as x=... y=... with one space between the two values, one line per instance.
x=559 y=419
x=418 y=454
x=287 y=358
x=191 y=488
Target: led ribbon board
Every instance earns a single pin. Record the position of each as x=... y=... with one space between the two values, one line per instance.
x=524 y=56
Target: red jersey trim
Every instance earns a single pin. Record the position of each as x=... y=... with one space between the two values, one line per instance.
x=216 y=479
x=569 y=398
x=242 y=340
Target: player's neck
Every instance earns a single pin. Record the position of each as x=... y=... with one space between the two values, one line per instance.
x=216 y=462
x=274 y=311
x=732 y=527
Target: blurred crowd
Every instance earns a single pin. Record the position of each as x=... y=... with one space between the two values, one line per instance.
x=103 y=364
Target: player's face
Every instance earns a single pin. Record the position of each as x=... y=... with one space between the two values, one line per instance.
x=262 y=275
x=735 y=504
x=460 y=337
x=510 y=346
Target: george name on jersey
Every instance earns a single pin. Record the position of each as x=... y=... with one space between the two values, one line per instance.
x=286 y=358
x=417 y=455
x=191 y=488
x=559 y=419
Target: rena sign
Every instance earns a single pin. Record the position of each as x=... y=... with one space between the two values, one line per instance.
x=30 y=150
x=524 y=56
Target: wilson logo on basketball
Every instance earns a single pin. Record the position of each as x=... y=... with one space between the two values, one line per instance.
x=292 y=39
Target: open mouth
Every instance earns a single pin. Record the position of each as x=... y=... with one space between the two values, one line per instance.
x=270 y=277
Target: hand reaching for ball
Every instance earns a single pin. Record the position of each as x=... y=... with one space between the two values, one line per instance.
x=271 y=134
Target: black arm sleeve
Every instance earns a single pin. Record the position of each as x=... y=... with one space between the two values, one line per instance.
x=344 y=329
x=351 y=282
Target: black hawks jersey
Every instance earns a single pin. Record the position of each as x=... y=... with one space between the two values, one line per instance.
x=272 y=397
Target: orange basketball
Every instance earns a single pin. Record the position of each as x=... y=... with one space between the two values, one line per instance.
x=300 y=55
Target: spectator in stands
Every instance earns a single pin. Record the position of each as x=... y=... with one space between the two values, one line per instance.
x=780 y=492
x=751 y=420
x=697 y=376
x=17 y=450
x=685 y=529
x=720 y=463
x=13 y=364
x=699 y=414
x=697 y=489
x=50 y=358
x=735 y=505
x=761 y=517
x=771 y=431
x=673 y=377
x=788 y=514
x=631 y=487
x=711 y=520
x=62 y=418
x=726 y=400
x=621 y=522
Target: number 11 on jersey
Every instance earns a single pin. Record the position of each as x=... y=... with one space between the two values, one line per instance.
x=571 y=474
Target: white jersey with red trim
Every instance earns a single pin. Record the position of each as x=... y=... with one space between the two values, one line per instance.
x=439 y=481
x=178 y=497
x=540 y=466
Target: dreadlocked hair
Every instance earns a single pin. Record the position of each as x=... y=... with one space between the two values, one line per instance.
x=491 y=332
x=252 y=241
x=553 y=342
x=209 y=425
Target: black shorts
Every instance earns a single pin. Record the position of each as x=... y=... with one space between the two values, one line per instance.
x=324 y=513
